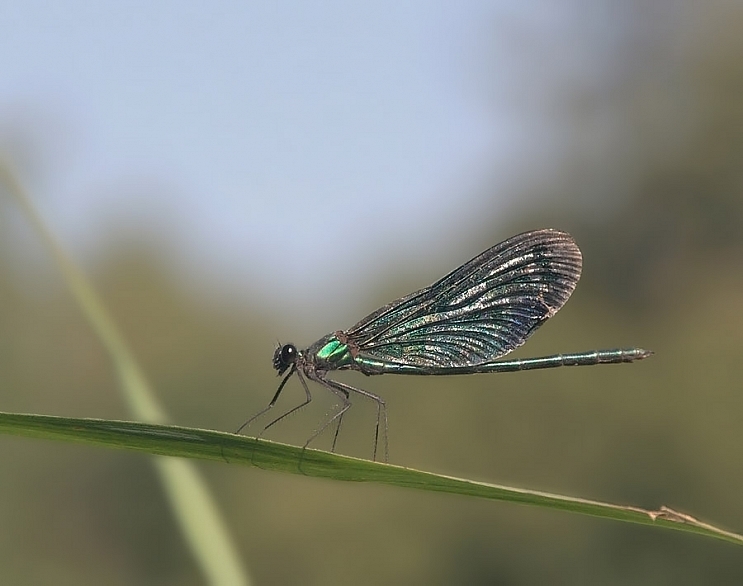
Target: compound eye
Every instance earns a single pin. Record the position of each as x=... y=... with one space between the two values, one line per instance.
x=288 y=354
x=284 y=357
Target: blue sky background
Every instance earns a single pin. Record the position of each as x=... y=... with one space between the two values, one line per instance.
x=281 y=150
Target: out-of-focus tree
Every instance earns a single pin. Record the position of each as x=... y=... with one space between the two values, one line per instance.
x=676 y=157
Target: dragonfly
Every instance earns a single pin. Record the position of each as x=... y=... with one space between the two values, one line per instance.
x=462 y=324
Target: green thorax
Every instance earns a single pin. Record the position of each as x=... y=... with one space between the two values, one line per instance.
x=332 y=354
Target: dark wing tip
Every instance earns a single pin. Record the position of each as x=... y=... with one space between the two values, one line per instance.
x=559 y=252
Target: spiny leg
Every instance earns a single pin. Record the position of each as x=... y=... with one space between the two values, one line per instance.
x=307 y=400
x=338 y=427
x=339 y=415
x=271 y=404
x=297 y=408
x=381 y=411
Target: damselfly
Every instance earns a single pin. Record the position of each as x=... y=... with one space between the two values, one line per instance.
x=459 y=325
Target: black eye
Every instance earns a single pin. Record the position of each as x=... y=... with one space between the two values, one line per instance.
x=288 y=353
x=284 y=357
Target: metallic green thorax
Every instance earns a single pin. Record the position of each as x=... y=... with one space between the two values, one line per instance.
x=334 y=354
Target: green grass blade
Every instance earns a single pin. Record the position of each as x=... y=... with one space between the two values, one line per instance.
x=226 y=447
x=188 y=495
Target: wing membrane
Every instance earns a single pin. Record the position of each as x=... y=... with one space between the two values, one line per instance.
x=481 y=310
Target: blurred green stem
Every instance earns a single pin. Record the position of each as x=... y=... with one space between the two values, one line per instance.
x=188 y=495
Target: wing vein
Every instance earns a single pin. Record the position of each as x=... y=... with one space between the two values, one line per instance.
x=481 y=310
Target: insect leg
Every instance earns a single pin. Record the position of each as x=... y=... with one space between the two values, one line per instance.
x=297 y=408
x=338 y=427
x=343 y=395
x=276 y=398
x=381 y=411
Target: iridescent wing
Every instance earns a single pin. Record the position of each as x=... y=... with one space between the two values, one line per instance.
x=478 y=312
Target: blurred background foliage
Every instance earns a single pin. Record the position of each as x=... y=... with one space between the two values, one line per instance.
x=662 y=142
